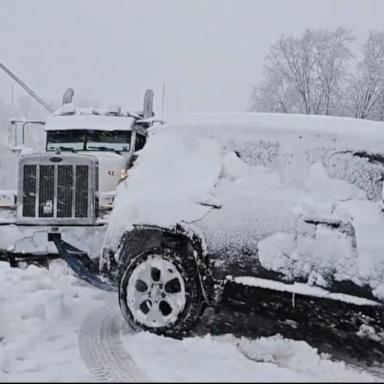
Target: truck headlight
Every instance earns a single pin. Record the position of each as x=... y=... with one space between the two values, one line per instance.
x=123 y=175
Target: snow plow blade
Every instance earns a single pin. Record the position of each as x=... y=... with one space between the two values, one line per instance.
x=330 y=321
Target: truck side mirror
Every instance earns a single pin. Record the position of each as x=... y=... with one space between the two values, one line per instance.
x=14 y=136
x=17 y=134
x=67 y=96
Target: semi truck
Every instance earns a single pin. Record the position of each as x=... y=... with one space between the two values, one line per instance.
x=68 y=188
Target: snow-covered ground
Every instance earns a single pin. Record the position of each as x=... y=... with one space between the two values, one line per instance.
x=40 y=316
x=43 y=313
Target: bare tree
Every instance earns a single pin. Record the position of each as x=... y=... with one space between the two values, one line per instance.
x=305 y=75
x=332 y=54
x=367 y=86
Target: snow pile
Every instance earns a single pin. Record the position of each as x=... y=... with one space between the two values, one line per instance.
x=291 y=225
x=40 y=315
x=171 y=181
x=228 y=359
x=299 y=356
x=369 y=227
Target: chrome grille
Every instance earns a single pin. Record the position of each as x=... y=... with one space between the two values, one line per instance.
x=81 y=203
x=29 y=193
x=58 y=189
x=64 y=190
x=46 y=190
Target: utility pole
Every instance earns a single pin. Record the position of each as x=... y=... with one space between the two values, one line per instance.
x=162 y=101
x=13 y=98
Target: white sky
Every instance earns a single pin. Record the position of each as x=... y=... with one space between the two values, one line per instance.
x=207 y=52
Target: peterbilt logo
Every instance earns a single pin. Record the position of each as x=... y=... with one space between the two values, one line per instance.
x=111 y=173
x=56 y=159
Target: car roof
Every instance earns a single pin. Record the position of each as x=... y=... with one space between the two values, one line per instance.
x=354 y=133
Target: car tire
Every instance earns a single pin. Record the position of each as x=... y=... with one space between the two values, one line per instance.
x=160 y=292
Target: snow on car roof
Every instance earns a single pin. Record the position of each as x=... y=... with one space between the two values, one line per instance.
x=228 y=126
x=89 y=121
x=287 y=121
x=184 y=157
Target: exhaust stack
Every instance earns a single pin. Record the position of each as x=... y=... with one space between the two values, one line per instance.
x=67 y=96
x=148 y=104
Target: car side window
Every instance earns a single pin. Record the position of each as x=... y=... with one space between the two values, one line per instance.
x=264 y=153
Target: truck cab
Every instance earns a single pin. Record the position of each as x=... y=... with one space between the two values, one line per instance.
x=112 y=139
x=71 y=183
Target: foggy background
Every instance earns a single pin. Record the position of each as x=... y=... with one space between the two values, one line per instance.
x=208 y=53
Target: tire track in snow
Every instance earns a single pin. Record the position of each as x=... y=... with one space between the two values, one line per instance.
x=102 y=350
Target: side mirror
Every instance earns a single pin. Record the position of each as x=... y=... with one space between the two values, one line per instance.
x=17 y=134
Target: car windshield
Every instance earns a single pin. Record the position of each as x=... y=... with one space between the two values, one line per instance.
x=88 y=140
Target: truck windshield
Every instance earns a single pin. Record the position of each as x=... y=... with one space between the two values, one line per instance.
x=89 y=140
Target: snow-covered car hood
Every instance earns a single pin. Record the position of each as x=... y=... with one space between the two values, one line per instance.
x=269 y=187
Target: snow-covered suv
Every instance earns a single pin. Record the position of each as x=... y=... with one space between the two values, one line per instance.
x=288 y=204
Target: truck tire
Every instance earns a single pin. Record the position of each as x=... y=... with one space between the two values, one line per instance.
x=160 y=292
